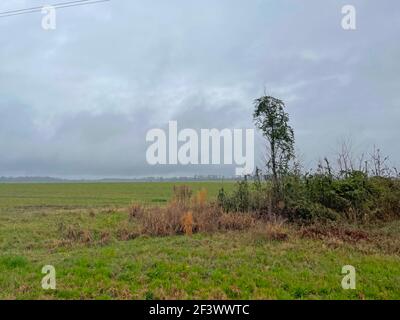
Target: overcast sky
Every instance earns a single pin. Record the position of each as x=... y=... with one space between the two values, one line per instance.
x=78 y=101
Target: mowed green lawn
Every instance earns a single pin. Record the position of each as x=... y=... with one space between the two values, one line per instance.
x=225 y=265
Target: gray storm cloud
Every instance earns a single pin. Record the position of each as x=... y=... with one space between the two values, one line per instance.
x=78 y=101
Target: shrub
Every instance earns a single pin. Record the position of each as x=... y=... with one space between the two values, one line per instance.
x=305 y=211
x=255 y=197
x=320 y=196
x=387 y=197
x=238 y=201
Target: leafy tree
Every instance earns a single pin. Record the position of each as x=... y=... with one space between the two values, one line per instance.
x=271 y=118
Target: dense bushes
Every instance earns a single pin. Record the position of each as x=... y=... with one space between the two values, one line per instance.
x=301 y=198
x=387 y=203
x=247 y=197
x=321 y=196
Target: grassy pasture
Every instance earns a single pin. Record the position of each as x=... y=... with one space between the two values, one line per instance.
x=93 y=195
x=224 y=265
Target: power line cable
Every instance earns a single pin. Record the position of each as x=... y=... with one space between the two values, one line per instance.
x=39 y=7
x=56 y=6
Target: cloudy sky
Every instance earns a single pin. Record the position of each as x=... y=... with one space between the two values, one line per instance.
x=78 y=101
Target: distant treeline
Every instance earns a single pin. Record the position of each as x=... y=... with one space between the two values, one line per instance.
x=145 y=179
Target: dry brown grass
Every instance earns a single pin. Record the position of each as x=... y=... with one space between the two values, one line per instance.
x=200 y=199
x=135 y=210
x=75 y=234
x=173 y=220
x=236 y=221
x=187 y=223
x=321 y=232
x=126 y=234
x=105 y=238
x=72 y=234
x=206 y=218
x=185 y=214
x=272 y=230
x=360 y=237
x=276 y=231
x=161 y=221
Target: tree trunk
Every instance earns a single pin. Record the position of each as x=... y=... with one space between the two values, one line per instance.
x=273 y=161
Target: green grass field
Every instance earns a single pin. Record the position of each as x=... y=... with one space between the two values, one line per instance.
x=93 y=195
x=224 y=265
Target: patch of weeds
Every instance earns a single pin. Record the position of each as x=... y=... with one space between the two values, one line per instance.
x=13 y=262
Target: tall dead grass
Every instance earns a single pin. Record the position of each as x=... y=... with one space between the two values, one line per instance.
x=188 y=214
